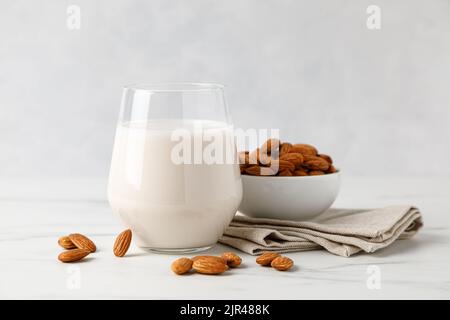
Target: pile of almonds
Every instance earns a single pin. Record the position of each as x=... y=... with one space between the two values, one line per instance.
x=276 y=158
x=79 y=246
x=213 y=265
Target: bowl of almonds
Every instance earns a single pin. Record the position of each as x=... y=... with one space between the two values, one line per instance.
x=287 y=181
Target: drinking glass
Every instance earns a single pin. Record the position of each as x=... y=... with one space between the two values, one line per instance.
x=174 y=179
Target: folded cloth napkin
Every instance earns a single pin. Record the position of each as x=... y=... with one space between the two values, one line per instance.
x=343 y=232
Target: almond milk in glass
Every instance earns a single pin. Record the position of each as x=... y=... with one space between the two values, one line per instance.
x=174 y=179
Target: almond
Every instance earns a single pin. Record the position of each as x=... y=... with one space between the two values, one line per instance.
x=282 y=263
x=317 y=163
x=242 y=169
x=73 y=255
x=122 y=243
x=265 y=159
x=253 y=157
x=282 y=165
x=82 y=242
x=244 y=158
x=285 y=173
x=285 y=148
x=326 y=157
x=303 y=149
x=253 y=170
x=231 y=259
x=316 y=173
x=266 y=258
x=182 y=265
x=270 y=145
x=331 y=169
x=220 y=259
x=210 y=265
x=66 y=243
x=260 y=171
x=300 y=172
x=295 y=158
x=308 y=157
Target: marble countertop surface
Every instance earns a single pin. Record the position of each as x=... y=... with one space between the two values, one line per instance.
x=36 y=212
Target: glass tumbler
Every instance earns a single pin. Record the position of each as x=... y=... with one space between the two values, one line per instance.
x=174 y=178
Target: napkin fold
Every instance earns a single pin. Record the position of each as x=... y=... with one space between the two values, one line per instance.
x=343 y=232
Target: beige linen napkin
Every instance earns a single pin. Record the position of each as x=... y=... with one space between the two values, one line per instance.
x=343 y=232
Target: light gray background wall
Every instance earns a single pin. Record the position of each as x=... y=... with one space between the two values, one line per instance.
x=379 y=101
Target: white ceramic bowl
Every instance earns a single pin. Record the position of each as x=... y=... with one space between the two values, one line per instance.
x=288 y=198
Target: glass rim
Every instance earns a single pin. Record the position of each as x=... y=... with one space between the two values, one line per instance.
x=174 y=86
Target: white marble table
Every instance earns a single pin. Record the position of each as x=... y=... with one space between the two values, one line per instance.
x=36 y=212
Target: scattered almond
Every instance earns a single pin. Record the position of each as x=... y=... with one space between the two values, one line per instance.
x=220 y=259
x=231 y=259
x=266 y=258
x=209 y=265
x=82 y=242
x=73 y=255
x=182 y=265
x=122 y=243
x=282 y=263
x=66 y=243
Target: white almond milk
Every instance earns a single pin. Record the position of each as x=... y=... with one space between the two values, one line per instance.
x=168 y=205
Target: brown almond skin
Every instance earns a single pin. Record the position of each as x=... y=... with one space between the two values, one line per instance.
x=317 y=164
x=300 y=173
x=266 y=258
x=331 y=169
x=282 y=165
x=304 y=149
x=82 y=242
x=259 y=171
x=253 y=170
x=316 y=173
x=231 y=259
x=295 y=158
x=270 y=145
x=182 y=265
x=282 y=263
x=285 y=147
x=265 y=159
x=122 y=243
x=209 y=265
x=285 y=173
x=73 y=255
x=244 y=158
x=308 y=157
x=220 y=259
x=327 y=158
x=253 y=157
x=66 y=243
